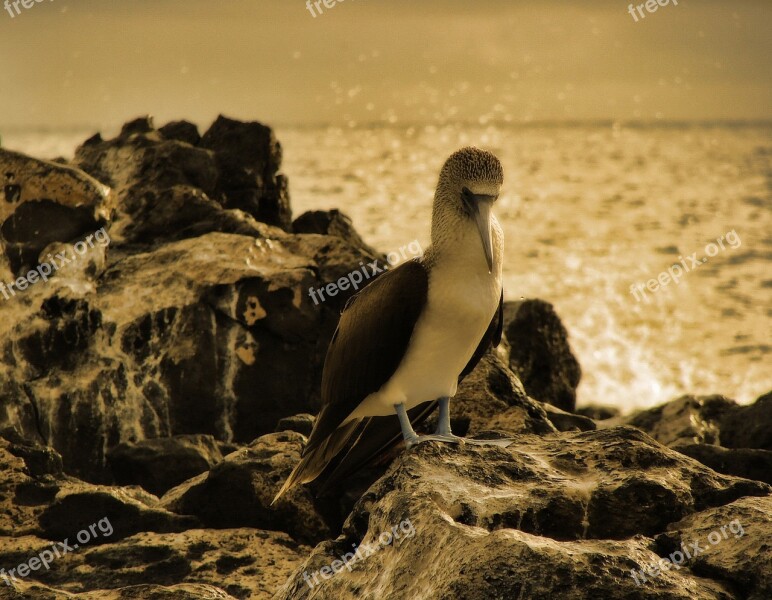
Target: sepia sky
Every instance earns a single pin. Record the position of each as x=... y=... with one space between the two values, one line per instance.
x=70 y=63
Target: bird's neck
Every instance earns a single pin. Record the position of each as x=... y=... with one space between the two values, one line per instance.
x=456 y=243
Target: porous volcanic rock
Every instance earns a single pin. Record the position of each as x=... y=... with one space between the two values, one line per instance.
x=565 y=515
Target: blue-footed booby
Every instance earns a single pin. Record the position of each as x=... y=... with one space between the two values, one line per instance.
x=405 y=341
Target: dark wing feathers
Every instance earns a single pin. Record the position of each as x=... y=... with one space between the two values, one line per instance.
x=377 y=435
x=371 y=339
x=365 y=351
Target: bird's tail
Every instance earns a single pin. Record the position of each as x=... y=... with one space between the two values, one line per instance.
x=314 y=461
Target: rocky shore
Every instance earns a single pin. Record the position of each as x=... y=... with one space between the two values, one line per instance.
x=157 y=385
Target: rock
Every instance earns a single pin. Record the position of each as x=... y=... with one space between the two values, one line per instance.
x=565 y=515
x=118 y=513
x=302 y=423
x=249 y=157
x=238 y=492
x=160 y=464
x=734 y=543
x=29 y=481
x=740 y=462
x=749 y=426
x=143 y=168
x=598 y=412
x=491 y=397
x=687 y=420
x=331 y=222
x=46 y=202
x=182 y=131
x=245 y=563
x=565 y=421
x=540 y=354
x=39 y=460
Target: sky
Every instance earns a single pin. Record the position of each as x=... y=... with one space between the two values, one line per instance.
x=99 y=63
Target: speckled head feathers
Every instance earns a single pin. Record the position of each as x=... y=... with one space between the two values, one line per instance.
x=472 y=164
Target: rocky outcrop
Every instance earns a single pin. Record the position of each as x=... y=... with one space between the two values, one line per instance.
x=238 y=492
x=569 y=515
x=728 y=437
x=193 y=318
x=540 y=354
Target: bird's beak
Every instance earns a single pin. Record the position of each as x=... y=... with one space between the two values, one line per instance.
x=482 y=218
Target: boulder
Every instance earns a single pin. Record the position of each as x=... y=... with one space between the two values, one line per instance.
x=715 y=430
x=106 y=514
x=238 y=492
x=540 y=354
x=566 y=515
x=331 y=222
x=159 y=464
x=249 y=157
x=684 y=421
x=46 y=202
x=740 y=462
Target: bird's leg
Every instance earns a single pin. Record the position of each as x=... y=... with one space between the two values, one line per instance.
x=408 y=433
x=412 y=438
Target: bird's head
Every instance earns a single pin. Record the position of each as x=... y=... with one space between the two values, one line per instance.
x=470 y=182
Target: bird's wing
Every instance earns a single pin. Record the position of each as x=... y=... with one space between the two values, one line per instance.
x=369 y=343
x=377 y=435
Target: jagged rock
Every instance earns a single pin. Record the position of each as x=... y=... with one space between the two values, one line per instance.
x=687 y=420
x=709 y=420
x=749 y=426
x=540 y=354
x=143 y=168
x=39 y=460
x=566 y=421
x=331 y=222
x=238 y=491
x=249 y=157
x=182 y=131
x=120 y=512
x=302 y=423
x=160 y=464
x=45 y=202
x=563 y=515
x=750 y=463
x=734 y=543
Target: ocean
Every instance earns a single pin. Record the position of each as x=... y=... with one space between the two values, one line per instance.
x=598 y=220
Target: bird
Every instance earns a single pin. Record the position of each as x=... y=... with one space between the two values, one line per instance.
x=405 y=340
